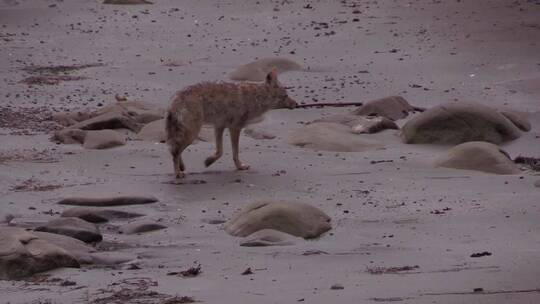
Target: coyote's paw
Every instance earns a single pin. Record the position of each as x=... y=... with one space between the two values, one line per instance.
x=242 y=166
x=180 y=175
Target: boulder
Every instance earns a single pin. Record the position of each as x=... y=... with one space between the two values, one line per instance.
x=392 y=107
x=103 y=139
x=154 y=131
x=458 y=122
x=67 y=119
x=108 y=201
x=98 y=215
x=361 y=124
x=257 y=70
x=323 y=136
x=298 y=219
x=478 y=156
x=141 y=227
x=23 y=254
x=109 y=120
x=268 y=237
x=518 y=119
x=69 y=136
x=73 y=227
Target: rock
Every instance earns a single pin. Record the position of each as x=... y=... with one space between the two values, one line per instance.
x=108 y=201
x=458 y=122
x=518 y=119
x=141 y=227
x=67 y=119
x=125 y=2
x=257 y=70
x=392 y=107
x=268 y=237
x=73 y=227
x=98 y=215
x=69 y=136
x=140 y=111
x=23 y=254
x=154 y=131
x=109 y=120
x=478 y=156
x=361 y=124
x=103 y=139
x=78 y=249
x=298 y=219
x=324 y=136
x=258 y=133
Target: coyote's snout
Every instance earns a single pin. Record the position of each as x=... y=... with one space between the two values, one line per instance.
x=224 y=105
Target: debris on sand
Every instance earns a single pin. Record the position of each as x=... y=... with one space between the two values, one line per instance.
x=26 y=121
x=50 y=79
x=531 y=162
x=59 y=69
x=189 y=273
x=248 y=271
x=392 y=270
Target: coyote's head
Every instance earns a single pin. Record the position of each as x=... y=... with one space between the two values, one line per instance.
x=279 y=94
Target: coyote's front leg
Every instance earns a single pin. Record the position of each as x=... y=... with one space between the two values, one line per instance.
x=235 y=139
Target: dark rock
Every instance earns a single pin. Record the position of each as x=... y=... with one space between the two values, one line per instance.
x=108 y=201
x=98 y=215
x=73 y=227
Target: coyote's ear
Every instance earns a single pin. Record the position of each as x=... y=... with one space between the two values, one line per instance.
x=271 y=78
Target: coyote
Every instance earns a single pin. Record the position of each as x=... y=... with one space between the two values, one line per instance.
x=224 y=105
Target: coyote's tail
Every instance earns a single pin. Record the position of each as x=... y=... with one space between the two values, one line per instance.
x=171 y=124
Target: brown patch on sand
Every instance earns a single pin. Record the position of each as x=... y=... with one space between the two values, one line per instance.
x=50 y=79
x=26 y=121
x=33 y=184
x=136 y=291
x=32 y=155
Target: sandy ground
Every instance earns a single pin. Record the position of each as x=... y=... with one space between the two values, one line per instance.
x=390 y=214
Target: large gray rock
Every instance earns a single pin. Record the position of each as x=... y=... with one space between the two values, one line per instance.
x=257 y=70
x=98 y=215
x=298 y=219
x=458 y=122
x=154 y=131
x=478 y=156
x=109 y=120
x=103 y=139
x=67 y=119
x=361 y=124
x=323 y=136
x=108 y=201
x=73 y=227
x=392 y=107
x=269 y=237
x=23 y=254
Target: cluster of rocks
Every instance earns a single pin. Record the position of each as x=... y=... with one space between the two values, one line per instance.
x=112 y=125
x=339 y=132
x=277 y=223
x=67 y=241
x=474 y=128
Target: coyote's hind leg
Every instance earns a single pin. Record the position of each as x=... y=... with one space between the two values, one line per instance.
x=218 y=132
